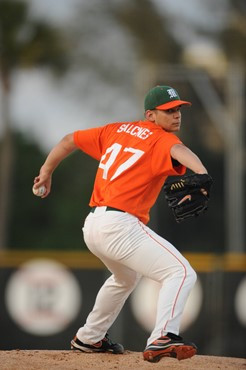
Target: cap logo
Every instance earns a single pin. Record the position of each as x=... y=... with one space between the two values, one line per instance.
x=172 y=93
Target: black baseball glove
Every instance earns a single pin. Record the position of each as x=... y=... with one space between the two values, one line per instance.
x=188 y=196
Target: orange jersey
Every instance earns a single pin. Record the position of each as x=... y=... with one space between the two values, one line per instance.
x=134 y=163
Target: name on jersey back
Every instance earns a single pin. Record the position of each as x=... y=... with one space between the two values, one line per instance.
x=141 y=132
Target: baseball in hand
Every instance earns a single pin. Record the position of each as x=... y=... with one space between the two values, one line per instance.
x=39 y=192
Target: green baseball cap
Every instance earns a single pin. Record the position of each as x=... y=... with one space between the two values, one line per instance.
x=163 y=98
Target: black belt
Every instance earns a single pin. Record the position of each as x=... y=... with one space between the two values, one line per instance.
x=107 y=209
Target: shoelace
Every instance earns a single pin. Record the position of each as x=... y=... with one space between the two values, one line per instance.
x=108 y=340
x=174 y=336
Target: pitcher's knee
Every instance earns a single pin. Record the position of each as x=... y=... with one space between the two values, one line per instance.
x=187 y=274
x=191 y=276
x=126 y=282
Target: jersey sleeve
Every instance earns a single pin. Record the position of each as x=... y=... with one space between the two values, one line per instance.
x=162 y=163
x=89 y=141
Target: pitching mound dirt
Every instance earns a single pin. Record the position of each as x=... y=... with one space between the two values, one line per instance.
x=64 y=360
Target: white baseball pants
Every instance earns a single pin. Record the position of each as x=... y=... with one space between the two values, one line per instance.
x=130 y=250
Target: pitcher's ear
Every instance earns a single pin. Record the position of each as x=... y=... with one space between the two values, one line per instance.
x=150 y=115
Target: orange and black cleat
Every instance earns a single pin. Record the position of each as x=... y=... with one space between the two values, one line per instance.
x=171 y=345
x=104 y=345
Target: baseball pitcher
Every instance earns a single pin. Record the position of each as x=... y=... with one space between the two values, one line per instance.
x=135 y=159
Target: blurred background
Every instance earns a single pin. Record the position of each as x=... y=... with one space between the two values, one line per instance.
x=74 y=64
